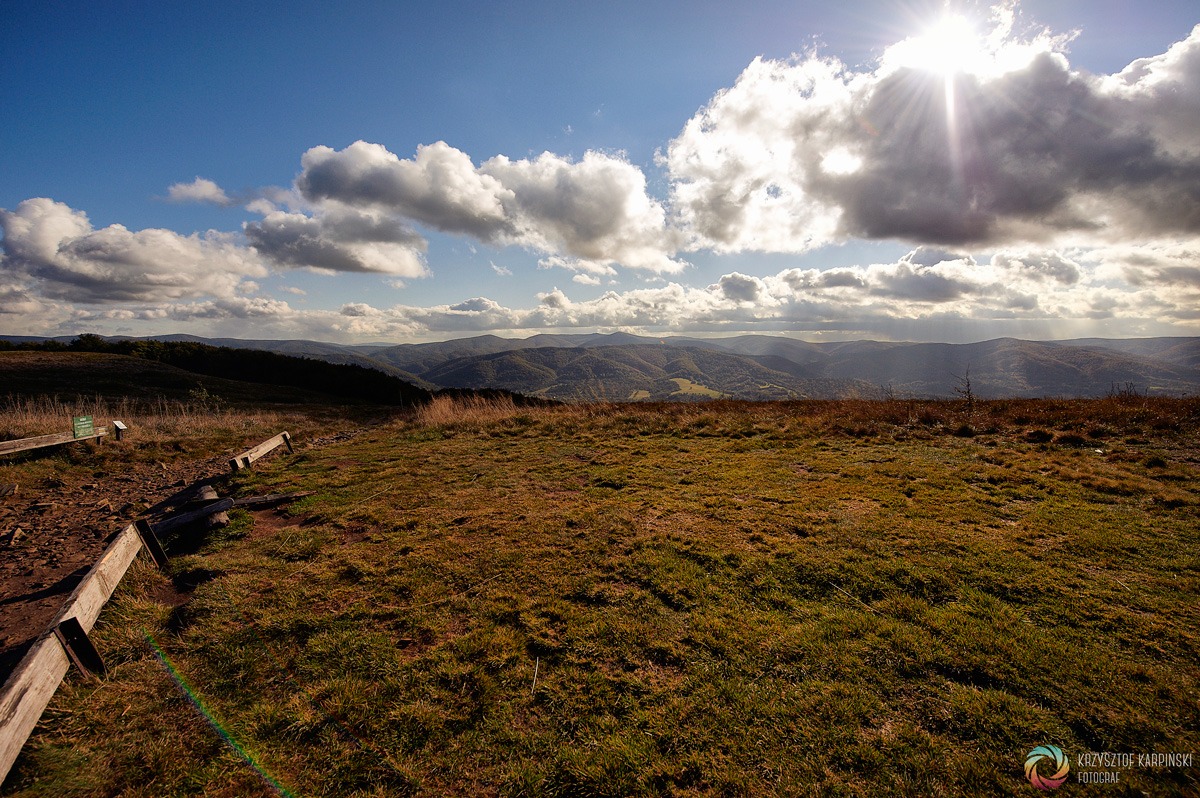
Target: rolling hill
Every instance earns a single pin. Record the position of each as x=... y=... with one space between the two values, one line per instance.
x=639 y=371
x=1004 y=367
x=621 y=366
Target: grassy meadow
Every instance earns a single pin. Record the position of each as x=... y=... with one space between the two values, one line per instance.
x=734 y=599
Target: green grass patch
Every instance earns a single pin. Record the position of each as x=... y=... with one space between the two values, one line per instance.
x=689 y=388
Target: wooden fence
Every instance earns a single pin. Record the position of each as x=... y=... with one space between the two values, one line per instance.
x=57 y=439
x=37 y=676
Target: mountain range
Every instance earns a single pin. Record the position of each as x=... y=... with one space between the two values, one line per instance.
x=626 y=367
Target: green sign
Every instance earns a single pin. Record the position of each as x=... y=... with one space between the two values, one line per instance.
x=83 y=426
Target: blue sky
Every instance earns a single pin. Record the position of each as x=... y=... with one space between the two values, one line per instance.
x=389 y=172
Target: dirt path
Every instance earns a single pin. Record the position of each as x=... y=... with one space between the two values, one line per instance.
x=53 y=530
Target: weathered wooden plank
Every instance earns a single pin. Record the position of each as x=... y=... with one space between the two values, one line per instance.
x=58 y=438
x=37 y=676
x=94 y=591
x=271 y=498
x=178 y=500
x=224 y=505
x=183 y=519
x=26 y=694
x=247 y=457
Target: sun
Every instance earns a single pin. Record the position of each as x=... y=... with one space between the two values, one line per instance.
x=949 y=46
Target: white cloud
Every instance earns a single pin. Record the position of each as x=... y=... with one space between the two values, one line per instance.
x=56 y=249
x=594 y=210
x=440 y=187
x=1040 y=266
x=1014 y=149
x=589 y=267
x=199 y=190
x=1024 y=293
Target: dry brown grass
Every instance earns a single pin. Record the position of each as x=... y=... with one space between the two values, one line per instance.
x=472 y=411
x=155 y=421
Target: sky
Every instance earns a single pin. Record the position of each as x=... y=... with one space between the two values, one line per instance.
x=392 y=172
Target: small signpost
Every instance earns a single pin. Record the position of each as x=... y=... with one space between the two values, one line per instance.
x=83 y=427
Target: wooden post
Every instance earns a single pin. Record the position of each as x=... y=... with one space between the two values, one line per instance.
x=79 y=648
x=219 y=518
x=150 y=541
x=118 y=429
x=247 y=457
x=213 y=513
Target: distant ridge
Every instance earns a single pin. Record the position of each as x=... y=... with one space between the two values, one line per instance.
x=621 y=366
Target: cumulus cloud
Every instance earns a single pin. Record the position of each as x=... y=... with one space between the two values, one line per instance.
x=593 y=211
x=740 y=287
x=1014 y=293
x=341 y=240
x=440 y=187
x=199 y=190
x=1040 y=266
x=1017 y=147
x=57 y=248
x=932 y=256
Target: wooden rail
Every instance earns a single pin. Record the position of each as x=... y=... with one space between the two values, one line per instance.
x=32 y=684
x=247 y=457
x=22 y=444
x=36 y=678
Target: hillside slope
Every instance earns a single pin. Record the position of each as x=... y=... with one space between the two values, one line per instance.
x=617 y=373
x=622 y=366
x=93 y=374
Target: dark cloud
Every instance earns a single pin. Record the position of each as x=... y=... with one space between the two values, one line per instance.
x=739 y=287
x=921 y=284
x=339 y=240
x=1029 y=154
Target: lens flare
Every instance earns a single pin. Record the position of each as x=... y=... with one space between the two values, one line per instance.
x=220 y=729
